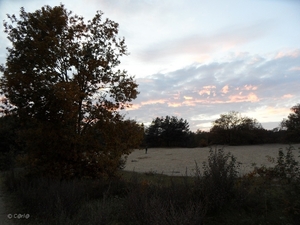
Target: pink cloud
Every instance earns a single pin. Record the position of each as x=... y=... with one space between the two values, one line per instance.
x=206 y=90
x=287 y=96
x=280 y=111
x=225 y=89
x=174 y=104
x=255 y=59
x=145 y=80
x=291 y=54
x=151 y=102
x=270 y=113
x=190 y=103
x=133 y=107
x=296 y=68
x=187 y=97
x=251 y=97
x=202 y=58
x=249 y=87
x=177 y=96
x=209 y=86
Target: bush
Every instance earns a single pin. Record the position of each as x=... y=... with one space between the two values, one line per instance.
x=203 y=143
x=287 y=167
x=216 y=184
x=288 y=170
x=105 y=201
x=174 y=204
x=284 y=178
x=215 y=195
x=55 y=201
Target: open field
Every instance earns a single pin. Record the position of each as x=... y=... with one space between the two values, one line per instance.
x=179 y=161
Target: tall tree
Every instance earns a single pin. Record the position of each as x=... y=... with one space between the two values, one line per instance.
x=61 y=74
x=225 y=126
x=292 y=124
x=153 y=134
x=168 y=131
x=232 y=128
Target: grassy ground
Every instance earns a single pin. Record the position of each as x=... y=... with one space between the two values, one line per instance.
x=154 y=199
x=179 y=161
x=215 y=196
x=6 y=205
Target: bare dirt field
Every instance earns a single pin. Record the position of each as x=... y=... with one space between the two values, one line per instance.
x=181 y=161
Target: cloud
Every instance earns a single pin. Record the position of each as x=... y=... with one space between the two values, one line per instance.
x=290 y=54
x=182 y=52
x=225 y=89
x=187 y=97
x=296 y=68
x=249 y=87
x=258 y=85
x=207 y=90
x=287 y=96
x=201 y=45
x=251 y=97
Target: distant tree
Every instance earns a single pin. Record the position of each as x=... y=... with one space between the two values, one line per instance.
x=61 y=76
x=153 y=134
x=202 y=138
x=232 y=128
x=276 y=135
x=168 y=132
x=224 y=128
x=292 y=124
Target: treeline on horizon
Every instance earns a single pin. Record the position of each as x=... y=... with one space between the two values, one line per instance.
x=229 y=129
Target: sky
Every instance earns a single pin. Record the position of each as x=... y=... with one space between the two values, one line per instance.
x=197 y=59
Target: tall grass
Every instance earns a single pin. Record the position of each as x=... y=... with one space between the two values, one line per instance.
x=215 y=195
x=216 y=183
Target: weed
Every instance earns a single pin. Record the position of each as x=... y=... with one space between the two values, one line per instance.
x=215 y=185
x=215 y=195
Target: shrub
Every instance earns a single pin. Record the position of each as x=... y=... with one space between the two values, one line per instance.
x=168 y=205
x=285 y=175
x=61 y=202
x=203 y=143
x=215 y=186
x=287 y=167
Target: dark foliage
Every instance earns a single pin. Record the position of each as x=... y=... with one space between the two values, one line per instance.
x=233 y=129
x=62 y=80
x=167 y=132
x=292 y=125
x=216 y=183
x=216 y=195
x=230 y=128
x=10 y=145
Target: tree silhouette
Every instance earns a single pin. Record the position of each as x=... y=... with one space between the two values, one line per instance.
x=61 y=76
x=168 y=132
x=292 y=124
x=232 y=128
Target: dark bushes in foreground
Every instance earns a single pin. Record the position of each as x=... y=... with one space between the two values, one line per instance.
x=215 y=195
x=215 y=185
x=106 y=202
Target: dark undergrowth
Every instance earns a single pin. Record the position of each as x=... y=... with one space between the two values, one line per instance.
x=215 y=195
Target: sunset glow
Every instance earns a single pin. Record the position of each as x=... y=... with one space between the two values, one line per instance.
x=199 y=59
